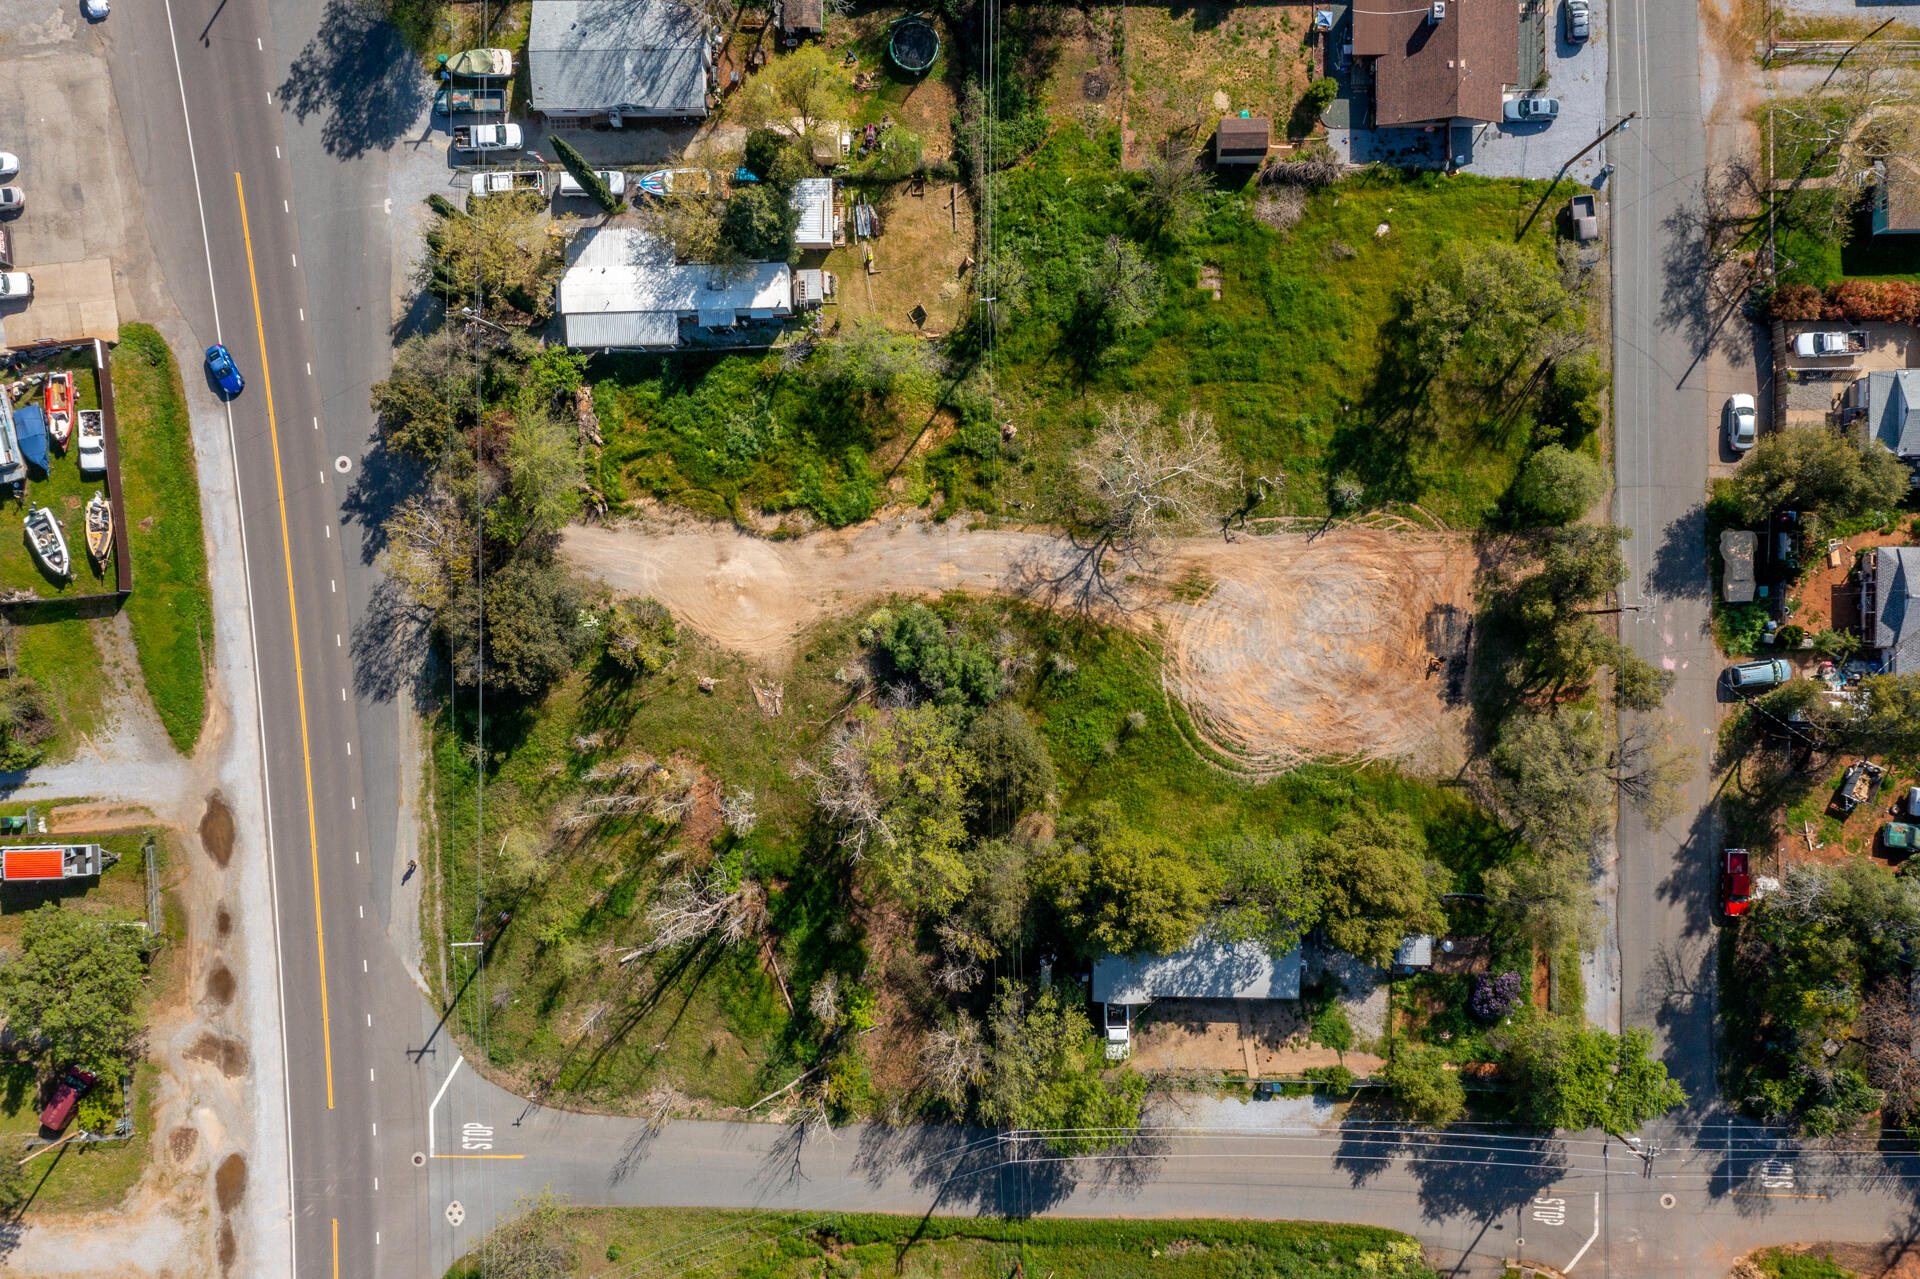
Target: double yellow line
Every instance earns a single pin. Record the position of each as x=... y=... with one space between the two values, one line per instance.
x=299 y=671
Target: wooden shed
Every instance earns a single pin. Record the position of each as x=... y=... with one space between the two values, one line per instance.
x=1242 y=139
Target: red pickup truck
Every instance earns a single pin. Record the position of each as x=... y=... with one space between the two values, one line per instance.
x=72 y=1086
x=1736 y=882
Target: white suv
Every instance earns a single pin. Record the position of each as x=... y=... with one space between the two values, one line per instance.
x=15 y=286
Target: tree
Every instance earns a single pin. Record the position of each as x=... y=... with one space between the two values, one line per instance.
x=1377 y=886
x=1016 y=772
x=874 y=366
x=1044 y=1073
x=1639 y=685
x=1550 y=779
x=1485 y=307
x=953 y=667
x=759 y=224
x=590 y=182
x=895 y=786
x=499 y=251
x=775 y=158
x=535 y=1243
x=1548 y=893
x=693 y=225
x=25 y=722
x=1421 y=1084
x=1648 y=767
x=1119 y=291
x=1119 y=891
x=545 y=473
x=430 y=546
x=1891 y=1031
x=1891 y=717
x=1140 y=479
x=1267 y=892
x=74 y=985
x=1569 y=1077
x=798 y=92
x=1558 y=485
x=429 y=394
x=719 y=901
x=1172 y=189
x=955 y=1060
x=1817 y=471
x=532 y=628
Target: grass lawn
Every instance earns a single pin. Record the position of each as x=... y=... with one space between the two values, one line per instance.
x=121 y=890
x=736 y=1245
x=79 y=1176
x=170 y=609
x=554 y=1005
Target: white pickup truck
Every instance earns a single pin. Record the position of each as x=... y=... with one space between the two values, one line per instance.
x=487 y=137
x=509 y=181
x=1811 y=346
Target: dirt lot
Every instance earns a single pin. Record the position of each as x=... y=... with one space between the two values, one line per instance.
x=917 y=260
x=1284 y=646
x=1258 y=1039
x=1829 y=594
x=1185 y=68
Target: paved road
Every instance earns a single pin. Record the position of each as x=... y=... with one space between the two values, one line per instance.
x=1663 y=440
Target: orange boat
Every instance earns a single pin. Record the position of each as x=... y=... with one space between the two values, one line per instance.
x=60 y=408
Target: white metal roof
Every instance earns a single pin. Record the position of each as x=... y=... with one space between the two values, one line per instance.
x=1205 y=969
x=624 y=272
x=812 y=198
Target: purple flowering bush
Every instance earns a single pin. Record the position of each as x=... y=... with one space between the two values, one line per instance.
x=1495 y=997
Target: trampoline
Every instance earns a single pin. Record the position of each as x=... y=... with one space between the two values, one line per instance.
x=914 y=44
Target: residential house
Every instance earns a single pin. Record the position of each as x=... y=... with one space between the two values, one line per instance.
x=622 y=290
x=619 y=60
x=1888 y=619
x=1204 y=969
x=1452 y=60
x=1896 y=197
x=1888 y=401
x=1242 y=139
x=819 y=226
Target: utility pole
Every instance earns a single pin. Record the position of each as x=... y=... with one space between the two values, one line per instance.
x=1624 y=123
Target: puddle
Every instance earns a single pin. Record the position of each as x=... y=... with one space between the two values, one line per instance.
x=228 y=1249
x=222 y=922
x=216 y=830
x=180 y=1143
x=221 y=985
x=230 y=1055
x=230 y=1181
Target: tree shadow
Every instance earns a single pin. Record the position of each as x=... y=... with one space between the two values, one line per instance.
x=1483 y=1175
x=982 y=1170
x=358 y=70
x=1679 y=568
x=391 y=642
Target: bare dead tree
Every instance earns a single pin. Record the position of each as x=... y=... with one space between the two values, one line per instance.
x=844 y=789
x=955 y=1060
x=702 y=904
x=824 y=1001
x=1892 y=1034
x=1140 y=480
x=739 y=811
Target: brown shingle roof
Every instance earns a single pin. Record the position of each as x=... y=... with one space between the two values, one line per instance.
x=1900 y=189
x=802 y=15
x=1451 y=69
x=1243 y=136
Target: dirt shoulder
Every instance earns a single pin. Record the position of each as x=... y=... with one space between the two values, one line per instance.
x=1350 y=643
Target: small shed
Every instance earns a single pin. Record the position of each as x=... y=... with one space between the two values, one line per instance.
x=1736 y=558
x=802 y=19
x=1414 y=955
x=1242 y=139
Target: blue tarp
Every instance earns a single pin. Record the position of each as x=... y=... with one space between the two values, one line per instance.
x=30 y=430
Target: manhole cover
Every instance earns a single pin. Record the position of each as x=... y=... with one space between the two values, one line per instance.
x=419 y=1160
x=455 y=1213
x=343 y=464
x=1666 y=1201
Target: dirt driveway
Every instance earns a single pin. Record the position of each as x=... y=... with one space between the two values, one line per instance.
x=1349 y=644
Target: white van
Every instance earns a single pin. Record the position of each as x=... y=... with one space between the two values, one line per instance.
x=616 y=182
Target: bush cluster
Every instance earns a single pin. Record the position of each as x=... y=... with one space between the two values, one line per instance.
x=1857 y=301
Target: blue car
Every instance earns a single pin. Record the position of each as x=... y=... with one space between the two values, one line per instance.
x=228 y=378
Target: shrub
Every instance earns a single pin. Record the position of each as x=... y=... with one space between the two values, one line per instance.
x=1495 y=997
x=1331 y=1029
x=1558 y=485
x=1790 y=635
x=597 y=190
x=1338 y=1079
x=1422 y=1085
x=1795 y=302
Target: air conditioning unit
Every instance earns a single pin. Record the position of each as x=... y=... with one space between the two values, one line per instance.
x=1437 y=12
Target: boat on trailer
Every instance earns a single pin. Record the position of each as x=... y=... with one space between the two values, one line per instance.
x=48 y=542
x=99 y=527
x=59 y=401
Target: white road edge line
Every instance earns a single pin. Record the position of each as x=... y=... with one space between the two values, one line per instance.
x=253 y=639
x=1568 y=1268
x=433 y=1105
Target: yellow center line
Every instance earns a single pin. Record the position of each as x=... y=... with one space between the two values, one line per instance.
x=336 y=1221
x=299 y=671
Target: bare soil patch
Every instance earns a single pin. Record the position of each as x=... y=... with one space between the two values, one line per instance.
x=78 y=819
x=221 y=985
x=216 y=830
x=1283 y=646
x=181 y=1143
x=228 y=1055
x=230 y=1182
x=1212 y=1036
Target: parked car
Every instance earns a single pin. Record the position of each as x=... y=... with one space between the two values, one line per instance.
x=1913 y=801
x=1764 y=673
x=1524 y=110
x=12 y=199
x=15 y=286
x=9 y=164
x=95 y=10
x=1859 y=784
x=1577 y=21
x=1742 y=422
x=615 y=179
x=1736 y=882
x=1899 y=837
x=6 y=249
x=225 y=376
x=73 y=1086
x=1816 y=346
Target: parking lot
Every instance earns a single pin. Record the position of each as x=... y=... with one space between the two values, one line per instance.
x=1577 y=76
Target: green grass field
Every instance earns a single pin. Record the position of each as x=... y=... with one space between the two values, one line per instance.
x=170 y=610
x=740 y=1245
x=79 y=1176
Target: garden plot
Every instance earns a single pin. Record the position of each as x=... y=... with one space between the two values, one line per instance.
x=917 y=283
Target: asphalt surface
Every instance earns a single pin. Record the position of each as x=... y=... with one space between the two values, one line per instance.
x=401 y=1156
